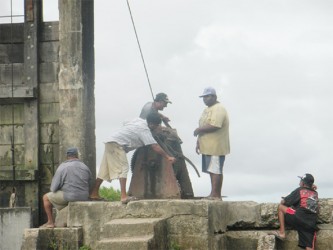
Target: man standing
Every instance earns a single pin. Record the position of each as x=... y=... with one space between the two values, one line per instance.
x=300 y=210
x=160 y=102
x=213 y=141
x=69 y=183
x=132 y=135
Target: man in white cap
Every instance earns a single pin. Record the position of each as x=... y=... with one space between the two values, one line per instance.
x=300 y=210
x=213 y=141
x=134 y=134
x=69 y=183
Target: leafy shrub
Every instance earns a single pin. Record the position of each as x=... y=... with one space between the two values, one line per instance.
x=109 y=194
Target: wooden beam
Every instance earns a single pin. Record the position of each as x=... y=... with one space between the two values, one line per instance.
x=20 y=175
x=17 y=92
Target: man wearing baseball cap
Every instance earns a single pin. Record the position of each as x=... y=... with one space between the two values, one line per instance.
x=300 y=211
x=213 y=140
x=160 y=102
x=69 y=183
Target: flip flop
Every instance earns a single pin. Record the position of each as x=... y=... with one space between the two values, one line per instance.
x=97 y=199
x=129 y=199
x=277 y=235
x=47 y=226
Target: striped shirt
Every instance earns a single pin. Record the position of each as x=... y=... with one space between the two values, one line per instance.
x=133 y=134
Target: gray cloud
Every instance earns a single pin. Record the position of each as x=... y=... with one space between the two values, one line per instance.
x=270 y=62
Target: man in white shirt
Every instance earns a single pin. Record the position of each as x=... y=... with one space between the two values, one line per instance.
x=132 y=135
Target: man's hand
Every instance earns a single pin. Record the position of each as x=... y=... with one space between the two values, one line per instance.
x=197 y=148
x=205 y=129
x=171 y=159
x=196 y=132
x=165 y=119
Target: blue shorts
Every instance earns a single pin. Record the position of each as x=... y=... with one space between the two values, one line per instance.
x=213 y=164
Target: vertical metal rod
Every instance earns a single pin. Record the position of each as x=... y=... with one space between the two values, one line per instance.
x=12 y=92
x=137 y=39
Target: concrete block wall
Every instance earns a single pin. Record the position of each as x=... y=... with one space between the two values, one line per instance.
x=192 y=224
x=13 y=223
x=58 y=238
x=198 y=224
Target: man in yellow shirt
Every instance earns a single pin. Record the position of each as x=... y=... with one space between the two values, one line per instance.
x=213 y=140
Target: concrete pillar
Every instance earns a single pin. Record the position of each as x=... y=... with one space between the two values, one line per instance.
x=76 y=79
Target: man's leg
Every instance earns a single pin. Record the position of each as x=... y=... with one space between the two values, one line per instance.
x=216 y=183
x=306 y=237
x=103 y=172
x=281 y=212
x=123 y=194
x=48 y=210
x=94 y=193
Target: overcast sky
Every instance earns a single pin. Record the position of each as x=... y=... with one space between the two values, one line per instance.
x=270 y=61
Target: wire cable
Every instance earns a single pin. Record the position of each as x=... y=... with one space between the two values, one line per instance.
x=137 y=39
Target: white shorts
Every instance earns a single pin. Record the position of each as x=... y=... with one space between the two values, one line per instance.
x=213 y=164
x=114 y=164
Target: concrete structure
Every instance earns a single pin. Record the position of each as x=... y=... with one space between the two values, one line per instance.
x=13 y=223
x=180 y=224
x=46 y=98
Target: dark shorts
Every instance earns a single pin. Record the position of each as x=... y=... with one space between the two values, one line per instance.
x=306 y=236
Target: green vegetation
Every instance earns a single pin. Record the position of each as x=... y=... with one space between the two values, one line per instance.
x=109 y=194
x=174 y=246
x=53 y=244
x=56 y=243
x=84 y=247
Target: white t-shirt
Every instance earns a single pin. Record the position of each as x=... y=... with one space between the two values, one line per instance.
x=133 y=134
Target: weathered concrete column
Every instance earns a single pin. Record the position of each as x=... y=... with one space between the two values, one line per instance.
x=76 y=79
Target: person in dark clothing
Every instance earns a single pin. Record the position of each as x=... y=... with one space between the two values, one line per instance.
x=300 y=210
x=160 y=102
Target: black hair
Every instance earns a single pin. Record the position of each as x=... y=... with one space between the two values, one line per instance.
x=154 y=118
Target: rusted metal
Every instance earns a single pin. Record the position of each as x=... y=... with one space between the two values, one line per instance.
x=153 y=177
x=29 y=10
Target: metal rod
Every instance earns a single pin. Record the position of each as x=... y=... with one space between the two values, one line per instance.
x=11 y=16
x=12 y=92
x=137 y=39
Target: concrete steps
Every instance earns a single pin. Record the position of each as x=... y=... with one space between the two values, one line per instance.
x=134 y=233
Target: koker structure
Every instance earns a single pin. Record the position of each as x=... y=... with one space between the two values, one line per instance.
x=46 y=97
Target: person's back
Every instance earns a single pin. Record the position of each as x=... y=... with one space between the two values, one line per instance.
x=160 y=102
x=306 y=206
x=132 y=135
x=69 y=183
x=76 y=177
x=299 y=210
x=147 y=109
